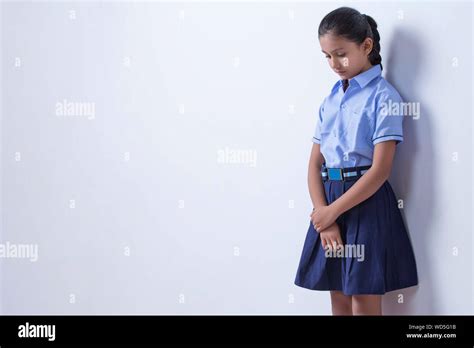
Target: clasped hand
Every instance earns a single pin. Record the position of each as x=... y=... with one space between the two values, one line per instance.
x=323 y=217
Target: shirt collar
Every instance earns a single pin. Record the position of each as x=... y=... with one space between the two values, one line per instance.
x=363 y=78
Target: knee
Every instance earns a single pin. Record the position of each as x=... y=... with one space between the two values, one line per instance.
x=366 y=304
x=341 y=304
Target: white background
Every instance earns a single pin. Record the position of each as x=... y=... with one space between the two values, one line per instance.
x=175 y=83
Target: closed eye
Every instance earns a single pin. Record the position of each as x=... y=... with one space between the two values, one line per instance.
x=338 y=55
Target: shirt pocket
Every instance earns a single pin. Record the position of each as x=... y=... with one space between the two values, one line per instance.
x=358 y=129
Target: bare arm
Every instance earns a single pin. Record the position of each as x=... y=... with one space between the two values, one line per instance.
x=371 y=181
x=315 y=182
x=363 y=188
x=331 y=236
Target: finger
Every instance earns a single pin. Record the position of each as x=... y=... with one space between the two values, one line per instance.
x=328 y=244
x=331 y=241
x=339 y=240
x=323 y=243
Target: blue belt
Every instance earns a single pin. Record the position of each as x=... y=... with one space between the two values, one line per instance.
x=343 y=174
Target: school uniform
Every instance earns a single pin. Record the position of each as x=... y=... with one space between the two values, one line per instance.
x=350 y=123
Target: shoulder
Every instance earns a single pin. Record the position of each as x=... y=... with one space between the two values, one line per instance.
x=384 y=91
x=387 y=101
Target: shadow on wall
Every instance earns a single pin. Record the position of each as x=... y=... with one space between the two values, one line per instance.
x=414 y=155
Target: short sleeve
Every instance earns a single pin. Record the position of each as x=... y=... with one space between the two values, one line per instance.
x=319 y=120
x=388 y=119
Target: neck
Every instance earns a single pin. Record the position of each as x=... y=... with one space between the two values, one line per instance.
x=366 y=67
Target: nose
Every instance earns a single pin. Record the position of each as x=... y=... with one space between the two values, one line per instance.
x=334 y=63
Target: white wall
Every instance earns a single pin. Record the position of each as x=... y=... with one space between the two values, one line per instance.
x=172 y=85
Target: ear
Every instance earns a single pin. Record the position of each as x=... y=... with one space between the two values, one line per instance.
x=368 y=44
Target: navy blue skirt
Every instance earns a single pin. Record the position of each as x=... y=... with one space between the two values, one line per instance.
x=377 y=256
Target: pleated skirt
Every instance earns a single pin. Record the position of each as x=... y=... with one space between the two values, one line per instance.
x=377 y=256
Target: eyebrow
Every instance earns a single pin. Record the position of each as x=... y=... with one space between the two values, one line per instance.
x=340 y=48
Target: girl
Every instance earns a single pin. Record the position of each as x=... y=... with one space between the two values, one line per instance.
x=356 y=246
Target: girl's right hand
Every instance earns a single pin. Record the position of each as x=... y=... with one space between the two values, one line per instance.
x=331 y=237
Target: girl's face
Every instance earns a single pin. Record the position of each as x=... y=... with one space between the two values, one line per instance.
x=345 y=57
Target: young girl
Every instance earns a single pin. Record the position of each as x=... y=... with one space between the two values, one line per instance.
x=356 y=246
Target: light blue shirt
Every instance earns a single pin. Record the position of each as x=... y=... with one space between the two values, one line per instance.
x=350 y=124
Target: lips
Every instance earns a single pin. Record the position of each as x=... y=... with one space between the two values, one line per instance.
x=340 y=72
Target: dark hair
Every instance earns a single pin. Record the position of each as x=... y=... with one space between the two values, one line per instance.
x=354 y=26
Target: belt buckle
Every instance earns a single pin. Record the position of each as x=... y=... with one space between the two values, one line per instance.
x=335 y=174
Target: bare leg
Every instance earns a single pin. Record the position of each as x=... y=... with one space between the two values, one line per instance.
x=341 y=304
x=367 y=304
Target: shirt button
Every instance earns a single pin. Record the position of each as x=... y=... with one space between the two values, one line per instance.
x=343 y=106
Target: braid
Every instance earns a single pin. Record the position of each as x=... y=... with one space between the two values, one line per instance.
x=372 y=32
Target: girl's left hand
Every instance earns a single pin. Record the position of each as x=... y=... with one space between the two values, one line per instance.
x=323 y=217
